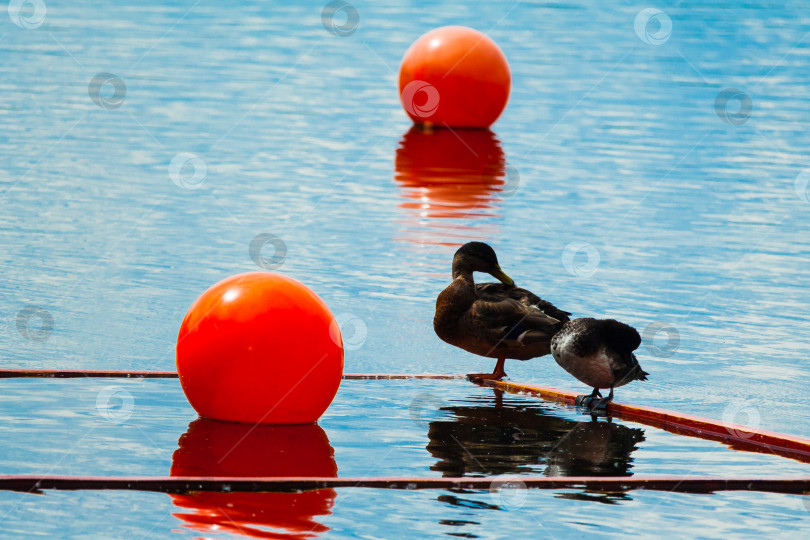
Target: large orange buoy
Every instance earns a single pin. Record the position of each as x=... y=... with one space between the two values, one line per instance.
x=260 y=348
x=454 y=76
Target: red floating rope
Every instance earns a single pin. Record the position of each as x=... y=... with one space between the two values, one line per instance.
x=736 y=436
x=179 y=484
x=83 y=373
x=130 y=374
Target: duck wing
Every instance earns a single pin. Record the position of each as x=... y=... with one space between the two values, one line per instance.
x=524 y=296
x=505 y=321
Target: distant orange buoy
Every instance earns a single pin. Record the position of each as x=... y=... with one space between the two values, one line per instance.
x=454 y=76
x=260 y=348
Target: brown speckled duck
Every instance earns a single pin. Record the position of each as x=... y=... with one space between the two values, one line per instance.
x=600 y=354
x=496 y=320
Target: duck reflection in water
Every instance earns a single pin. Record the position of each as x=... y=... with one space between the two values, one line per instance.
x=214 y=448
x=512 y=436
x=448 y=178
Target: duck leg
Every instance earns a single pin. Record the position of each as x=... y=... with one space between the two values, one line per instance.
x=593 y=404
x=497 y=374
x=601 y=405
x=587 y=401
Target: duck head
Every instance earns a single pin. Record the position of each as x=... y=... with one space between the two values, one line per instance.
x=478 y=257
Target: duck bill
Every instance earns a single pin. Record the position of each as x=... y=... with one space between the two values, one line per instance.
x=502 y=277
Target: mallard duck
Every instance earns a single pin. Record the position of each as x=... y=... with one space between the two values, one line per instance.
x=600 y=354
x=496 y=320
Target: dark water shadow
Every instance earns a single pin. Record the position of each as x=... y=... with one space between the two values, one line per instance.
x=502 y=436
x=214 y=448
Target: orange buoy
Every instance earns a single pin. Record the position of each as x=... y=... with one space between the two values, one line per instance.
x=260 y=348
x=454 y=76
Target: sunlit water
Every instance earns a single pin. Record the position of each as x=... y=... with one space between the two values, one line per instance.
x=417 y=428
x=612 y=147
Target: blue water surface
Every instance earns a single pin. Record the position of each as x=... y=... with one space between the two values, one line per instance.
x=650 y=167
x=373 y=429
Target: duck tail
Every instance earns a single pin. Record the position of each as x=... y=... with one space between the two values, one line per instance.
x=641 y=375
